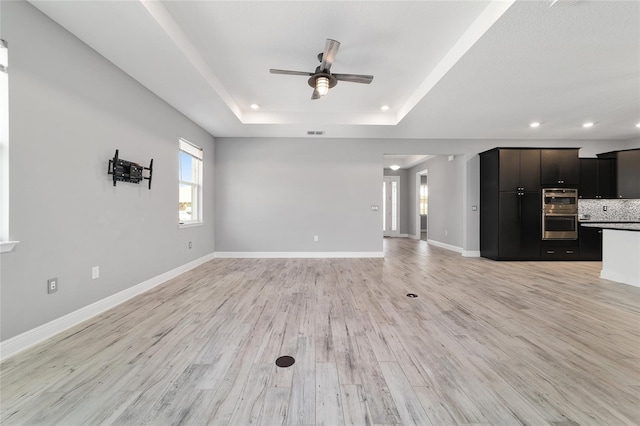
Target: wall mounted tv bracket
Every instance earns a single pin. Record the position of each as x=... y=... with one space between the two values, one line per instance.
x=128 y=171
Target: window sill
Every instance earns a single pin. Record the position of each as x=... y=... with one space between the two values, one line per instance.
x=7 y=246
x=190 y=225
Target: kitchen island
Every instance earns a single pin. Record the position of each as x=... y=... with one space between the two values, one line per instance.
x=620 y=251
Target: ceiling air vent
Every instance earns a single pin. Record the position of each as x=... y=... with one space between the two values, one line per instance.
x=315 y=132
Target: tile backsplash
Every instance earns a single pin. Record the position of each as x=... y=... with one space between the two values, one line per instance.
x=617 y=210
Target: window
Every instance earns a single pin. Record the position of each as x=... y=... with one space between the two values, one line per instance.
x=423 y=199
x=190 y=184
x=5 y=244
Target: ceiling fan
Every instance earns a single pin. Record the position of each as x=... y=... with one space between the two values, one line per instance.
x=322 y=79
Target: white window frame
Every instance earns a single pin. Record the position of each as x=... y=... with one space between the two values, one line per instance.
x=197 y=154
x=5 y=244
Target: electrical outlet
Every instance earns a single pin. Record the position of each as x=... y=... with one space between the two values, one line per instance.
x=446 y=232
x=374 y=208
x=95 y=272
x=52 y=285
x=474 y=208
x=315 y=238
x=604 y=208
x=189 y=244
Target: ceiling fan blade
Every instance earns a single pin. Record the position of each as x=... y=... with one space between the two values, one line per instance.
x=330 y=49
x=315 y=94
x=354 y=78
x=287 y=72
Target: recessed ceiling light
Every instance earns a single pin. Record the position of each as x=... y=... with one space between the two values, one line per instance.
x=384 y=107
x=588 y=124
x=638 y=125
x=534 y=124
x=255 y=106
x=394 y=167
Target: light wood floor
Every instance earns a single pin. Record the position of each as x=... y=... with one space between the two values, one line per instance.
x=485 y=342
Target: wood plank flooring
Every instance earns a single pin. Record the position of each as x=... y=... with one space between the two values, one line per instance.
x=500 y=343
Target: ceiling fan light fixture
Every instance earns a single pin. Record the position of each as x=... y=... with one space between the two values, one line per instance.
x=394 y=167
x=322 y=85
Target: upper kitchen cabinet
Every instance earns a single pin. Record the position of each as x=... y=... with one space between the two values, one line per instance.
x=559 y=167
x=518 y=169
x=628 y=172
x=597 y=178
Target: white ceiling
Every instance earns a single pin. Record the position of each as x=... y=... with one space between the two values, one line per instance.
x=448 y=69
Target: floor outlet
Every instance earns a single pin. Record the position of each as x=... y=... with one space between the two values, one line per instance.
x=95 y=272
x=52 y=285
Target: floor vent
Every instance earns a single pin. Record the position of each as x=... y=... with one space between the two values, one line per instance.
x=285 y=361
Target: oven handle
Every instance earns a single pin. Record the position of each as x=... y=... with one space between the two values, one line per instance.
x=562 y=214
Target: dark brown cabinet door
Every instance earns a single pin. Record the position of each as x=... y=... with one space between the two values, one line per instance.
x=509 y=166
x=519 y=168
x=590 y=243
x=588 y=178
x=530 y=169
x=597 y=178
x=519 y=225
x=559 y=167
x=629 y=174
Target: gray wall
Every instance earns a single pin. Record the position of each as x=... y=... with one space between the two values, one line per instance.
x=403 y=202
x=446 y=198
x=276 y=194
x=273 y=195
x=69 y=110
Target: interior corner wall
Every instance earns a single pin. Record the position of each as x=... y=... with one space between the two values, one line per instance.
x=70 y=109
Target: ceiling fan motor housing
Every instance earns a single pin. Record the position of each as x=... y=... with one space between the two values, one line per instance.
x=332 y=80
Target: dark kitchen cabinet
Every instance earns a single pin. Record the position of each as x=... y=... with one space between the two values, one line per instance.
x=590 y=243
x=629 y=173
x=559 y=167
x=597 y=178
x=510 y=204
x=519 y=168
x=627 y=164
x=520 y=225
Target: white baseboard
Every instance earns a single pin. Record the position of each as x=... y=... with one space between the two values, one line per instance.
x=404 y=235
x=445 y=246
x=414 y=237
x=36 y=335
x=620 y=278
x=471 y=253
x=297 y=254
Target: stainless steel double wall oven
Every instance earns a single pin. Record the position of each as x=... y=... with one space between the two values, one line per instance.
x=559 y=214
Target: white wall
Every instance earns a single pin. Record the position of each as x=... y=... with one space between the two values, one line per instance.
x=69 y=110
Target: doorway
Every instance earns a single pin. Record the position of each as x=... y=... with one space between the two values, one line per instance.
x=390 y=206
